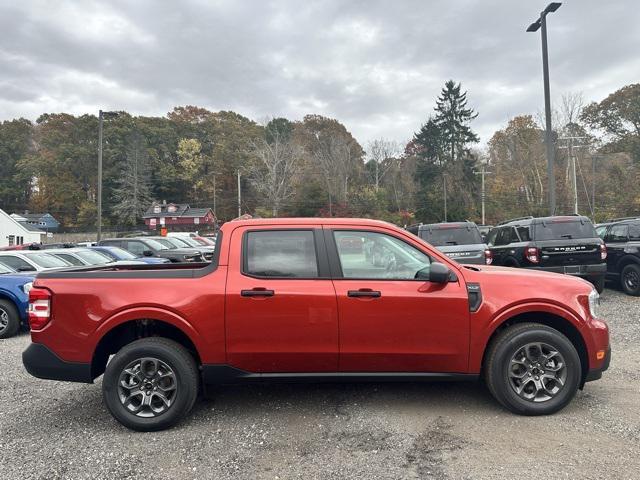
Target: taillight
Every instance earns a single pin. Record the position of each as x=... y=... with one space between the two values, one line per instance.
x=603 y=251
x=488 y=257
x=39 y=308
x=532 y=254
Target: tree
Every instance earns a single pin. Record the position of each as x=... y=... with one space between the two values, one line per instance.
x=278 y=162
x=133 y=193
x=16 y=143
x=382 y=155
x=453 y=117
x=618 y=117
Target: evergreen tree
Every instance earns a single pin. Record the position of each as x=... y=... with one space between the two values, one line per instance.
x=132 y=195
x=453 y=117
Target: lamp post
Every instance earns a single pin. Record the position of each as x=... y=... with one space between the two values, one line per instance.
x=541 y=22
x=101 y=116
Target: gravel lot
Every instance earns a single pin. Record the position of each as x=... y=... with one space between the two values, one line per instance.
x=61 y=430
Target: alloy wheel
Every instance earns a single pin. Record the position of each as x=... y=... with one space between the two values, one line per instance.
x=537 y=372
x=147 y=387
x=632 y=280
x=4 y=320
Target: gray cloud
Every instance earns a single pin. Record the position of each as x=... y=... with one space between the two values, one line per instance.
x=375 y=66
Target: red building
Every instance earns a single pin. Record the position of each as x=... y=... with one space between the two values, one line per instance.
x=179 y=217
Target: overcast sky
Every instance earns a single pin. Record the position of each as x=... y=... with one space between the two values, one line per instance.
x=375 y=66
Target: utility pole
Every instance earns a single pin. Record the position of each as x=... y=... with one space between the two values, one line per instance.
x=214 y=194
x=444 y=193
x=99 y=220
x=534 y=27
x=483 y=171
x=239 y=197
x=572 y=164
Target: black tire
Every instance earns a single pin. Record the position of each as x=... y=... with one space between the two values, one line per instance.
x=511 y=262
x=498 y=363
x=630 y=279
x=598 y=283
x=171 y=354
x=9 y=314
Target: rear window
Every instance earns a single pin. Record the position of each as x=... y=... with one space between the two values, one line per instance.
x=564 y=229
x=275 y=253
x=442 y=236
x=47 y=260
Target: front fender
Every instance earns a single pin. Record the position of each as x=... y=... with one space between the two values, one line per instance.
x=21 y=303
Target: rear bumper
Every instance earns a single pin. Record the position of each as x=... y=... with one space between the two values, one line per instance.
x=591 y=271
x=596 y=373
x=43 y=363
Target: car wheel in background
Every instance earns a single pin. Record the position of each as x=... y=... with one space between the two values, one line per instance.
x=630 y=279
x=532 y=369
x=150 y=384
x=9 y=319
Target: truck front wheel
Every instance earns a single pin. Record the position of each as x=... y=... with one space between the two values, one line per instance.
x=150 y=384
x=532 y=369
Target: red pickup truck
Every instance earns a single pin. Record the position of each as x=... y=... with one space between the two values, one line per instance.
x=314 y=300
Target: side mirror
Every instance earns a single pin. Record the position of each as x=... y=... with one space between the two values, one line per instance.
x=439 y=273
x=147 y=253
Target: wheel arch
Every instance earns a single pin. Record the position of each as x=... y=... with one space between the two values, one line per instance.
x=627 y=260
x=134 y=324
x=550 y=319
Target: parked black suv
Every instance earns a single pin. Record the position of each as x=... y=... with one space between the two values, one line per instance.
x=147 y=247
x=622 y=237
x=561 y=244
x=460 y=241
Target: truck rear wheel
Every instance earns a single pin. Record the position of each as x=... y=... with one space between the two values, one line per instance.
x=9 y=319
x=150 y=384
x=532 y=369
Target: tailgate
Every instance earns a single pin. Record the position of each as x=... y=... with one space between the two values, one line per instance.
x=572 y=252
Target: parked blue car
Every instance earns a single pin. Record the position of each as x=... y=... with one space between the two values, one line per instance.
x=118 y=253
x=14 y=300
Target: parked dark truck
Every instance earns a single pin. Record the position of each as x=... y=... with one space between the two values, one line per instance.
x=460 y=241
x=301 y=300
x=560 y=244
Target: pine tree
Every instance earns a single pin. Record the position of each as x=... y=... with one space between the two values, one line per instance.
x=132 y=195
x=453 y=117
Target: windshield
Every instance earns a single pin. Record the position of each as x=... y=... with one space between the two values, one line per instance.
x=155 y=244
x=562 y=229
x=93 y=258
x=442 y=236
x=118 y=253
x=5 y=269
x=187 y=241
x=180 y=242
x=46 y=260
x=167 y=243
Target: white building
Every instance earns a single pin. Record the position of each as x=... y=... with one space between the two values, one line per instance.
x=13 y=232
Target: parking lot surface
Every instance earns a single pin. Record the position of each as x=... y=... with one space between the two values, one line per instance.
x=51 y=430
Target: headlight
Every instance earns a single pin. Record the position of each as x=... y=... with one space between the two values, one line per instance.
x=26 y=287
x=594 y=303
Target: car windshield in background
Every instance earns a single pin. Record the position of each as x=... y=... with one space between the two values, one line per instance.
x=5 y=269
x=155 y=244
x=120 y=254
x=440 y=237
x=564 y=230
x=46 y=260
x=94 y=258
x=189 y=242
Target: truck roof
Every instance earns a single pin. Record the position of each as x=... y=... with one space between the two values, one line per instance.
x=308 y=221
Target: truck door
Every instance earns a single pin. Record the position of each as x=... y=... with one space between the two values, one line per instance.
x=389 y=320
x=616 y=241
x=281 y=309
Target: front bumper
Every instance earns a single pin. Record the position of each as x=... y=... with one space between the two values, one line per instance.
x=43 y=363
x=596 y=373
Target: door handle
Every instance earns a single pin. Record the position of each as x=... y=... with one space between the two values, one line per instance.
x=257 y=292
x=364 y=292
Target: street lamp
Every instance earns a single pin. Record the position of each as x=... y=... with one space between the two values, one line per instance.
x=101 y=116
x=542 y=22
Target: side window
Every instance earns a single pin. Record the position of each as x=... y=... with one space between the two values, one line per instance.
x=503 y=237
x=372 y=255
x=280 y=254
x=524 y=234
x=618 y=233
x=137 y=248
x=634 y=232
x=491 y=237
x=16 y=263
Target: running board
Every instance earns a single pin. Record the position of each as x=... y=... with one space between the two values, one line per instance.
x=221 y=374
